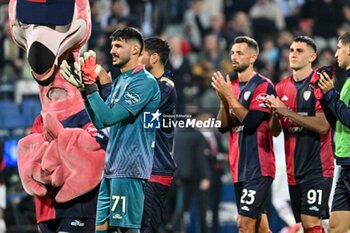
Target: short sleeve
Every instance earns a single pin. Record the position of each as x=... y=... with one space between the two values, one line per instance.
x=138 y=93
x=259 y=97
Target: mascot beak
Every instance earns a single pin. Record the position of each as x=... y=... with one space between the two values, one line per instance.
x=48 y=37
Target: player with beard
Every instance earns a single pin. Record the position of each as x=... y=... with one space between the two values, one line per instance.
x=155 y=57
x=129 y=154
x=244 y=113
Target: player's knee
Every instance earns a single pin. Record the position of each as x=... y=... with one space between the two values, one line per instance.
x=246 y=224
x=335 y=229
x=315 y=229
x=102 y=228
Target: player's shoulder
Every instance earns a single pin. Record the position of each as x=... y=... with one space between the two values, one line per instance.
x=144 y=77
x=165 y=81
x=284 y=82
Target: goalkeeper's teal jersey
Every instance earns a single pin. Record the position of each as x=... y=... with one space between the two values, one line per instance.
x=131 y=144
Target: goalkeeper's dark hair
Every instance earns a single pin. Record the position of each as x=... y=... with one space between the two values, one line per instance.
x=127 y=34
x=158 y=46
x=307 y=40
x=249 y=41
x=345 y=38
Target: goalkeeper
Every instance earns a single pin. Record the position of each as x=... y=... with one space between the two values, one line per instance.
x=129 y=154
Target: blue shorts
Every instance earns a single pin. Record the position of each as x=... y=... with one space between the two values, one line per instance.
x=252 y=195
x=76 y=225
x=311 y=198
x=341 y=198
x=155 y=200
x=120 y=201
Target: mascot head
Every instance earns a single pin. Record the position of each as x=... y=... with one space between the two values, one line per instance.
x=49 y=30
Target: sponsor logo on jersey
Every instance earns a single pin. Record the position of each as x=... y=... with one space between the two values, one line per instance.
x=284 y=98
x=131 y=98
x=261 y=97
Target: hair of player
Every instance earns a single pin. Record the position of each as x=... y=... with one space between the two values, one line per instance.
x=127 y=34
x=249 y=41
x=345 y=38
x=158 y=46
x=308 y=41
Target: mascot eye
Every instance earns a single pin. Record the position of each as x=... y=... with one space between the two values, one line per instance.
x=56 y=94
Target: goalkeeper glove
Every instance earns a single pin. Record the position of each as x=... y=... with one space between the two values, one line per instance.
x=90 y=69
x=72 y=73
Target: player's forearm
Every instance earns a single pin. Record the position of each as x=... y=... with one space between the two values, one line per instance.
x=224 y=115
x=239 y=110
x=317 y=124
x=275 y=126
x=107 y=116
x=338 y=107
x=94 y=119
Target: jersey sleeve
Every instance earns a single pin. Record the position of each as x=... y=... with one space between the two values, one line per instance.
x=138 y=93
x=279 y=90
x=318 y=107
x=259 y=99
x=168 y=97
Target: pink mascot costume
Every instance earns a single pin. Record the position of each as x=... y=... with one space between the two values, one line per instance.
x=61 y=162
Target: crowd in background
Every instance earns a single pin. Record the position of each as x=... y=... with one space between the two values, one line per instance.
x=200 y=33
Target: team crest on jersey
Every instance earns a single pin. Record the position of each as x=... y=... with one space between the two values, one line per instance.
x=307 y=95
x=246 y=95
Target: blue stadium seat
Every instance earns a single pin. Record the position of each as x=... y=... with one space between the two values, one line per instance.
x=30 y=108
x=9 y=108
x=12 y=122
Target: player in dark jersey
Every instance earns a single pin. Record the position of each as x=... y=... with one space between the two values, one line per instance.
x=154 y=57
x=243 y=111
x=337 y=109
x=307 y=136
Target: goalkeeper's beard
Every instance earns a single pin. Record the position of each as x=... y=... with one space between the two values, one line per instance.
x=120 y=64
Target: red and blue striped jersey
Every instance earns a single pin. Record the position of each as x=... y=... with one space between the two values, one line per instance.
x=251 y=152
x=309 y=155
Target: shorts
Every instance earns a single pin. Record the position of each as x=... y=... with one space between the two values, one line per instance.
x=120 y=201
x=252 y=196
x=155 y=199
x=341 y=198
x=68 y=225
x=311 y=198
